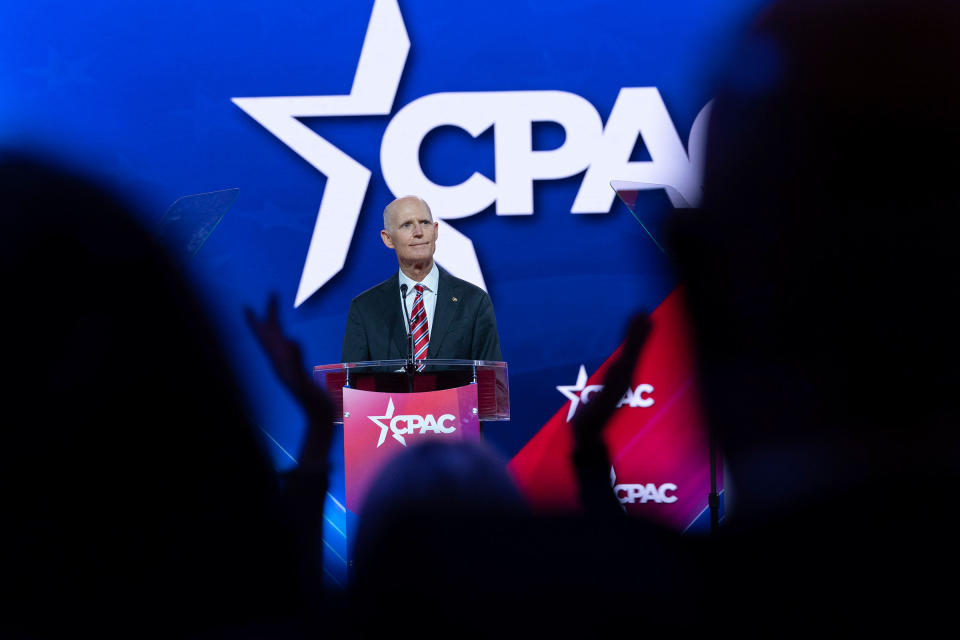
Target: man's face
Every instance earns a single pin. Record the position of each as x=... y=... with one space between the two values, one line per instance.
x=412 y=233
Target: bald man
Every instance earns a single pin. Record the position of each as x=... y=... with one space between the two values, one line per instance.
x=451 y=318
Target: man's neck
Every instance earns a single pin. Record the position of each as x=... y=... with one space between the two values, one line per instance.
x=417 y=271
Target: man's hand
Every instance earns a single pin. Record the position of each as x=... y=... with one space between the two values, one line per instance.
x=592 y=417
x=284 y=353
x=287 y=360
x=590 y=458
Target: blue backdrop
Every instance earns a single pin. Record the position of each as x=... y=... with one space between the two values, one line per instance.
x=144 y=95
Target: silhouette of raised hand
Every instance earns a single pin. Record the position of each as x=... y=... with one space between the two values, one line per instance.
x=304 y=488
x=592 y=417
x=286 y=357
x=590 y=458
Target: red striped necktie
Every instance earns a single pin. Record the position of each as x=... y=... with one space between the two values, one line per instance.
x=420 y=331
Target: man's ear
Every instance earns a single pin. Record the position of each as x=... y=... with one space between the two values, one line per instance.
x=387 y=240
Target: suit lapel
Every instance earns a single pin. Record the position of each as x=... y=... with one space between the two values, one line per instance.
x=444 y=312
x=395 y=319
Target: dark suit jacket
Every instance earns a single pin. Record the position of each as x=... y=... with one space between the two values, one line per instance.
x=463 y=323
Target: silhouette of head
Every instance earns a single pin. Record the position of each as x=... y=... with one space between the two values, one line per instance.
x=132 y=479
x=431 y=524
x=820 y=272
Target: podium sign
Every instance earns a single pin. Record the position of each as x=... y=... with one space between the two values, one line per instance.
x=379 y=425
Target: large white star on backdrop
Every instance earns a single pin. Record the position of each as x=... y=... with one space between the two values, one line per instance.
x=374 y=89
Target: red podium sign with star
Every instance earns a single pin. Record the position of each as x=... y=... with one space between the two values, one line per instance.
x=378 y=426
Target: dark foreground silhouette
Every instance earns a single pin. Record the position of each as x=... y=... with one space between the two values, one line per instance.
x=822 y=285
x=137 y=497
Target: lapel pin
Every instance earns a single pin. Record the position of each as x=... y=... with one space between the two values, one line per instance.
x=454 y=299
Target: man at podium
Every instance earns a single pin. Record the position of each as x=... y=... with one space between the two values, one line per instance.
x=449 y=317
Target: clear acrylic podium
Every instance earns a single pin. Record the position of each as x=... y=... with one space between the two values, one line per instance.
x=394 y=376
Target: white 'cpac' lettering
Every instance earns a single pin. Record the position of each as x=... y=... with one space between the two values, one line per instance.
x=426 y=423
x=631 y=493
x=603 y=151
x=639 y=397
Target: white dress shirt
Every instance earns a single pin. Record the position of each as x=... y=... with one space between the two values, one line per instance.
x=429 y=283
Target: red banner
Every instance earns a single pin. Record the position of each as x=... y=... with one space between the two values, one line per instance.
x=657 y=438
x=378 y=426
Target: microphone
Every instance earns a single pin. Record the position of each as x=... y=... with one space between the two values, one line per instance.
x=403 y=297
